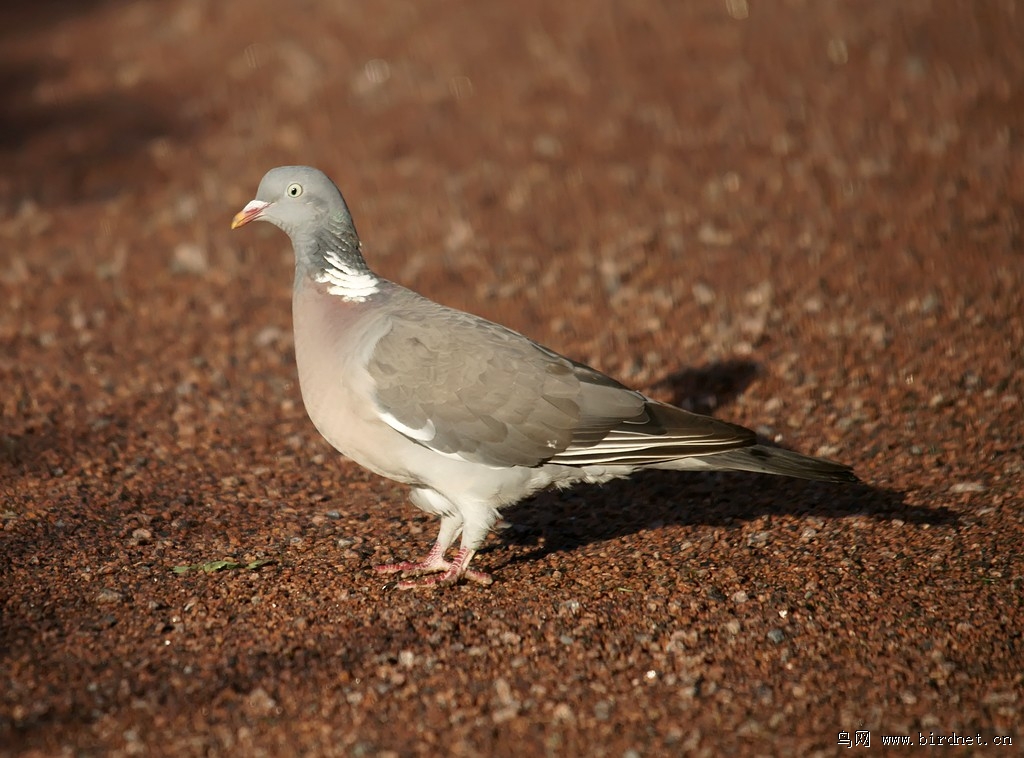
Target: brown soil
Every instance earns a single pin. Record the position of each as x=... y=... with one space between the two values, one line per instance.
x=801 y=216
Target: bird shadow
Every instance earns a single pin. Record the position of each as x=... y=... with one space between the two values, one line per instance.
x=561 y=521
x=705 y=388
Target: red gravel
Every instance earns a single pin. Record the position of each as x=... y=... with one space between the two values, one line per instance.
x=803 y=216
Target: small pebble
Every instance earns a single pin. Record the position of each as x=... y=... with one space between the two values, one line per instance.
x=189 y=258
x=962 y=487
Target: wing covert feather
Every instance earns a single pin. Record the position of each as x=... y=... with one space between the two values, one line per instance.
x=469 y=388
x=491 y=395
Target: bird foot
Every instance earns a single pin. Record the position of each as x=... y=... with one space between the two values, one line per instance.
x=435 y=571
x=414 y=568
x=451 y=576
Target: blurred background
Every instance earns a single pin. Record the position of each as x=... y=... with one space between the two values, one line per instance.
x=803 y=216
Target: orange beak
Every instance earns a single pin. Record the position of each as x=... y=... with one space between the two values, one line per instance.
x=252 y=211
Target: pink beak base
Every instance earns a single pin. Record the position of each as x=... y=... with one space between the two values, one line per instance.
x=252 y=211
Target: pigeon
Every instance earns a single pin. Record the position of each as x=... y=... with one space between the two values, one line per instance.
x=472 y=416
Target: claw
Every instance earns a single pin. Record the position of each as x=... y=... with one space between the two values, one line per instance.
x=413 y=568
x=435 y=571
x=451 y=576
x=434 y=563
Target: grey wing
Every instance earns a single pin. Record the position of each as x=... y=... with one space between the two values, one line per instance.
x=471 y=389
x=468 y=388
x=658 y=434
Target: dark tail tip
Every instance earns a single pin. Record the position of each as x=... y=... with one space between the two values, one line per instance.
x=776 y=460
x=788 y=463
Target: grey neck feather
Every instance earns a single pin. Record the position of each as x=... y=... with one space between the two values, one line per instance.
x=330 y=257
x=335 y=240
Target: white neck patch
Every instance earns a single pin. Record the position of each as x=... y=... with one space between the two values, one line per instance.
x=353 y=285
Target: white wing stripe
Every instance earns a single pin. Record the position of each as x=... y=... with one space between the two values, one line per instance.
x=423 y=434
x=639 y=447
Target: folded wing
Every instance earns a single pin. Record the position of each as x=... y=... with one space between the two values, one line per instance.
x=471 y=389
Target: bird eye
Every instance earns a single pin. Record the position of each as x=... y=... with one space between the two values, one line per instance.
x=294 y=189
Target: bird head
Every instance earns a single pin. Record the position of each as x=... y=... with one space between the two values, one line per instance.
x=294 y=198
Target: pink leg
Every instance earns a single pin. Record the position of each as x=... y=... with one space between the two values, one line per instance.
x=457 y=569
x=439 y=570
x=432 y=564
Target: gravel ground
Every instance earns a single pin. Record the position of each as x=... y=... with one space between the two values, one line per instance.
x=800 y=216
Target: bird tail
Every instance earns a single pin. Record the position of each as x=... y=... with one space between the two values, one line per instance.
x=763 y=459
